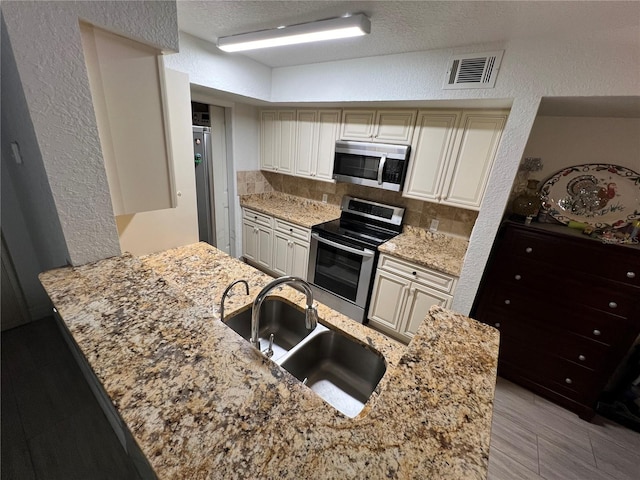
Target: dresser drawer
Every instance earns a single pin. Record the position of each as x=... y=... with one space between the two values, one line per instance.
x=295 y=231
x=431 y=278
x=256 y=217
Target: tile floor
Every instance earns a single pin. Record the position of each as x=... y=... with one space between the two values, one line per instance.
x=52 y=427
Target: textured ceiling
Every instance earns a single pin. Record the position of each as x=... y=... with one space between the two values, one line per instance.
x=405 y=26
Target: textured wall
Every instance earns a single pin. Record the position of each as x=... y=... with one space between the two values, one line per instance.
x=45 y=39
x=209 y=67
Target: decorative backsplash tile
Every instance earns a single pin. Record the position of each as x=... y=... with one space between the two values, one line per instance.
x=453 y=221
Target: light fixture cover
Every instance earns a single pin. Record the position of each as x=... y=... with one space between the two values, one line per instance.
x=341 y=27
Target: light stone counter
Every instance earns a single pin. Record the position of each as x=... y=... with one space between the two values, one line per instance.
x=203 y=404
x=437 y=251
x=298 y=210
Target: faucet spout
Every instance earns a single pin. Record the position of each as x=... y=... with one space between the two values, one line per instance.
x=226 y=292
x=311 y=314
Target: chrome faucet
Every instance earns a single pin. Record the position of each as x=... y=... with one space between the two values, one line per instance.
x=311 y=314
x=226 y=292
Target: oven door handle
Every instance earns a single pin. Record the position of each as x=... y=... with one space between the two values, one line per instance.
x=383 y=160
x=363 y=253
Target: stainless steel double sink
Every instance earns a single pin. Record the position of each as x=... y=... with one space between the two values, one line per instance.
x=342 y=371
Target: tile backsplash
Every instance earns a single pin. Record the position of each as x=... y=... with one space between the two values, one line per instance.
x=453 y=221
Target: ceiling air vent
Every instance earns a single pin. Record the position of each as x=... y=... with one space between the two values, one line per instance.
x=474 y=70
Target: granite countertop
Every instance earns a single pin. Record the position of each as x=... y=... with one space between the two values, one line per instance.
x=298 y=210
x=202 y=403
x=437 y=251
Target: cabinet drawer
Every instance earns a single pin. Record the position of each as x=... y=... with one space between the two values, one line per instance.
x=554 y=372
x=437 y=280
x=294 y=231
x=256 y=217
x=611 y=262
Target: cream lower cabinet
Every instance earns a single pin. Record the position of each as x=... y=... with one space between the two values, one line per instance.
x=402 y=295
x=276 y=246
x=290 y=249
x=257 y=238
x=452 y=155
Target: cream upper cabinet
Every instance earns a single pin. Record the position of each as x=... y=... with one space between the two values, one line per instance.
x=384 y=126
x=130 y=103
x=473 y=155
x=402 y=295
x=316 y=135
x=431 y=147
x=452 y=155
x=277 y=140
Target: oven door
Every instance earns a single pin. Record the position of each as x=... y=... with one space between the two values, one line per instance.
x=344 y=270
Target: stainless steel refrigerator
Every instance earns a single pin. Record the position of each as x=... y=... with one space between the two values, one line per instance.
x=203 y=164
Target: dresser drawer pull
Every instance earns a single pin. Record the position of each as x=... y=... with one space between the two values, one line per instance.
x=528 y=249
x=613 y=305
x=631 y=274
x=497 y=324
x=517 y=277
x=582 y=358
x=597 y=332
x=507 y=302
x=568 y=381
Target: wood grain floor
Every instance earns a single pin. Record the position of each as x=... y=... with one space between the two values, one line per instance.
x=53 y=428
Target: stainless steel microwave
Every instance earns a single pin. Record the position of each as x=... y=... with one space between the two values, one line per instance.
x=378 y=165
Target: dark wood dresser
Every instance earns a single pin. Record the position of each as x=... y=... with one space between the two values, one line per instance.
x=567 y=307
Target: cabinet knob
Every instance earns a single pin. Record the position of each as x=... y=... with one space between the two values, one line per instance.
x=582 y=358
x=528 y=249
x=414 y=273
x=507 y=302
x=613 y=305
x=568 y=380
x=597 y=332
x=497 y=324
x=631 y=274
x=517 y=277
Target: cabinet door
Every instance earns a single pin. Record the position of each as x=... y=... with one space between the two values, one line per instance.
x=264 y=253
x=268 y=139
x=249 y=241
x=474 y=151
x=420 y=300
x=306 y=142
x=431 y=148
x=299 y=258
x=281 y=254
x=394 y=126
x=285 y=151
x=357 y=124
x=388 y=299
x=328 y=129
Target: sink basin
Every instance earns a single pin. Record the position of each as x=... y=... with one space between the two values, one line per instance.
x=340 y=370
x=284 y=321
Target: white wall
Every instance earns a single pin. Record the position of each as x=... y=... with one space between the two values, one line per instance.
x=209 y=67
x=565 y=141
x=158 y=230
x=45 y=39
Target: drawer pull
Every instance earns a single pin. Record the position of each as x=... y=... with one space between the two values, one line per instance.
x=517 y=277
x=507 y=302
x=291 y=230
x=631 y=274
x=528 y=249
x=414 y=273
x=568 y=381
x=582 y=358
x=497 y=324
x=597 y=332
x=613 y=305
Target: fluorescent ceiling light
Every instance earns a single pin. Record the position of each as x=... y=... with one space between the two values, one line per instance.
x=341 y=27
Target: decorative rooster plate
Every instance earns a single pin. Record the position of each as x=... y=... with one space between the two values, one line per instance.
x=599 y=194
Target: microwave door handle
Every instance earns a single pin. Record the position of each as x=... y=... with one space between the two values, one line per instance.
x=383 y=160
x=363 y=253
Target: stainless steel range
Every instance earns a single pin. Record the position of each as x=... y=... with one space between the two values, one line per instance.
x=344 y=254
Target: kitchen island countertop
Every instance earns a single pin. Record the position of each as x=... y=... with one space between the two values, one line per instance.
x=202 y=403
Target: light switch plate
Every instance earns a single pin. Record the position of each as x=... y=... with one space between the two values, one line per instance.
x=324 y=198
x=434 y=225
